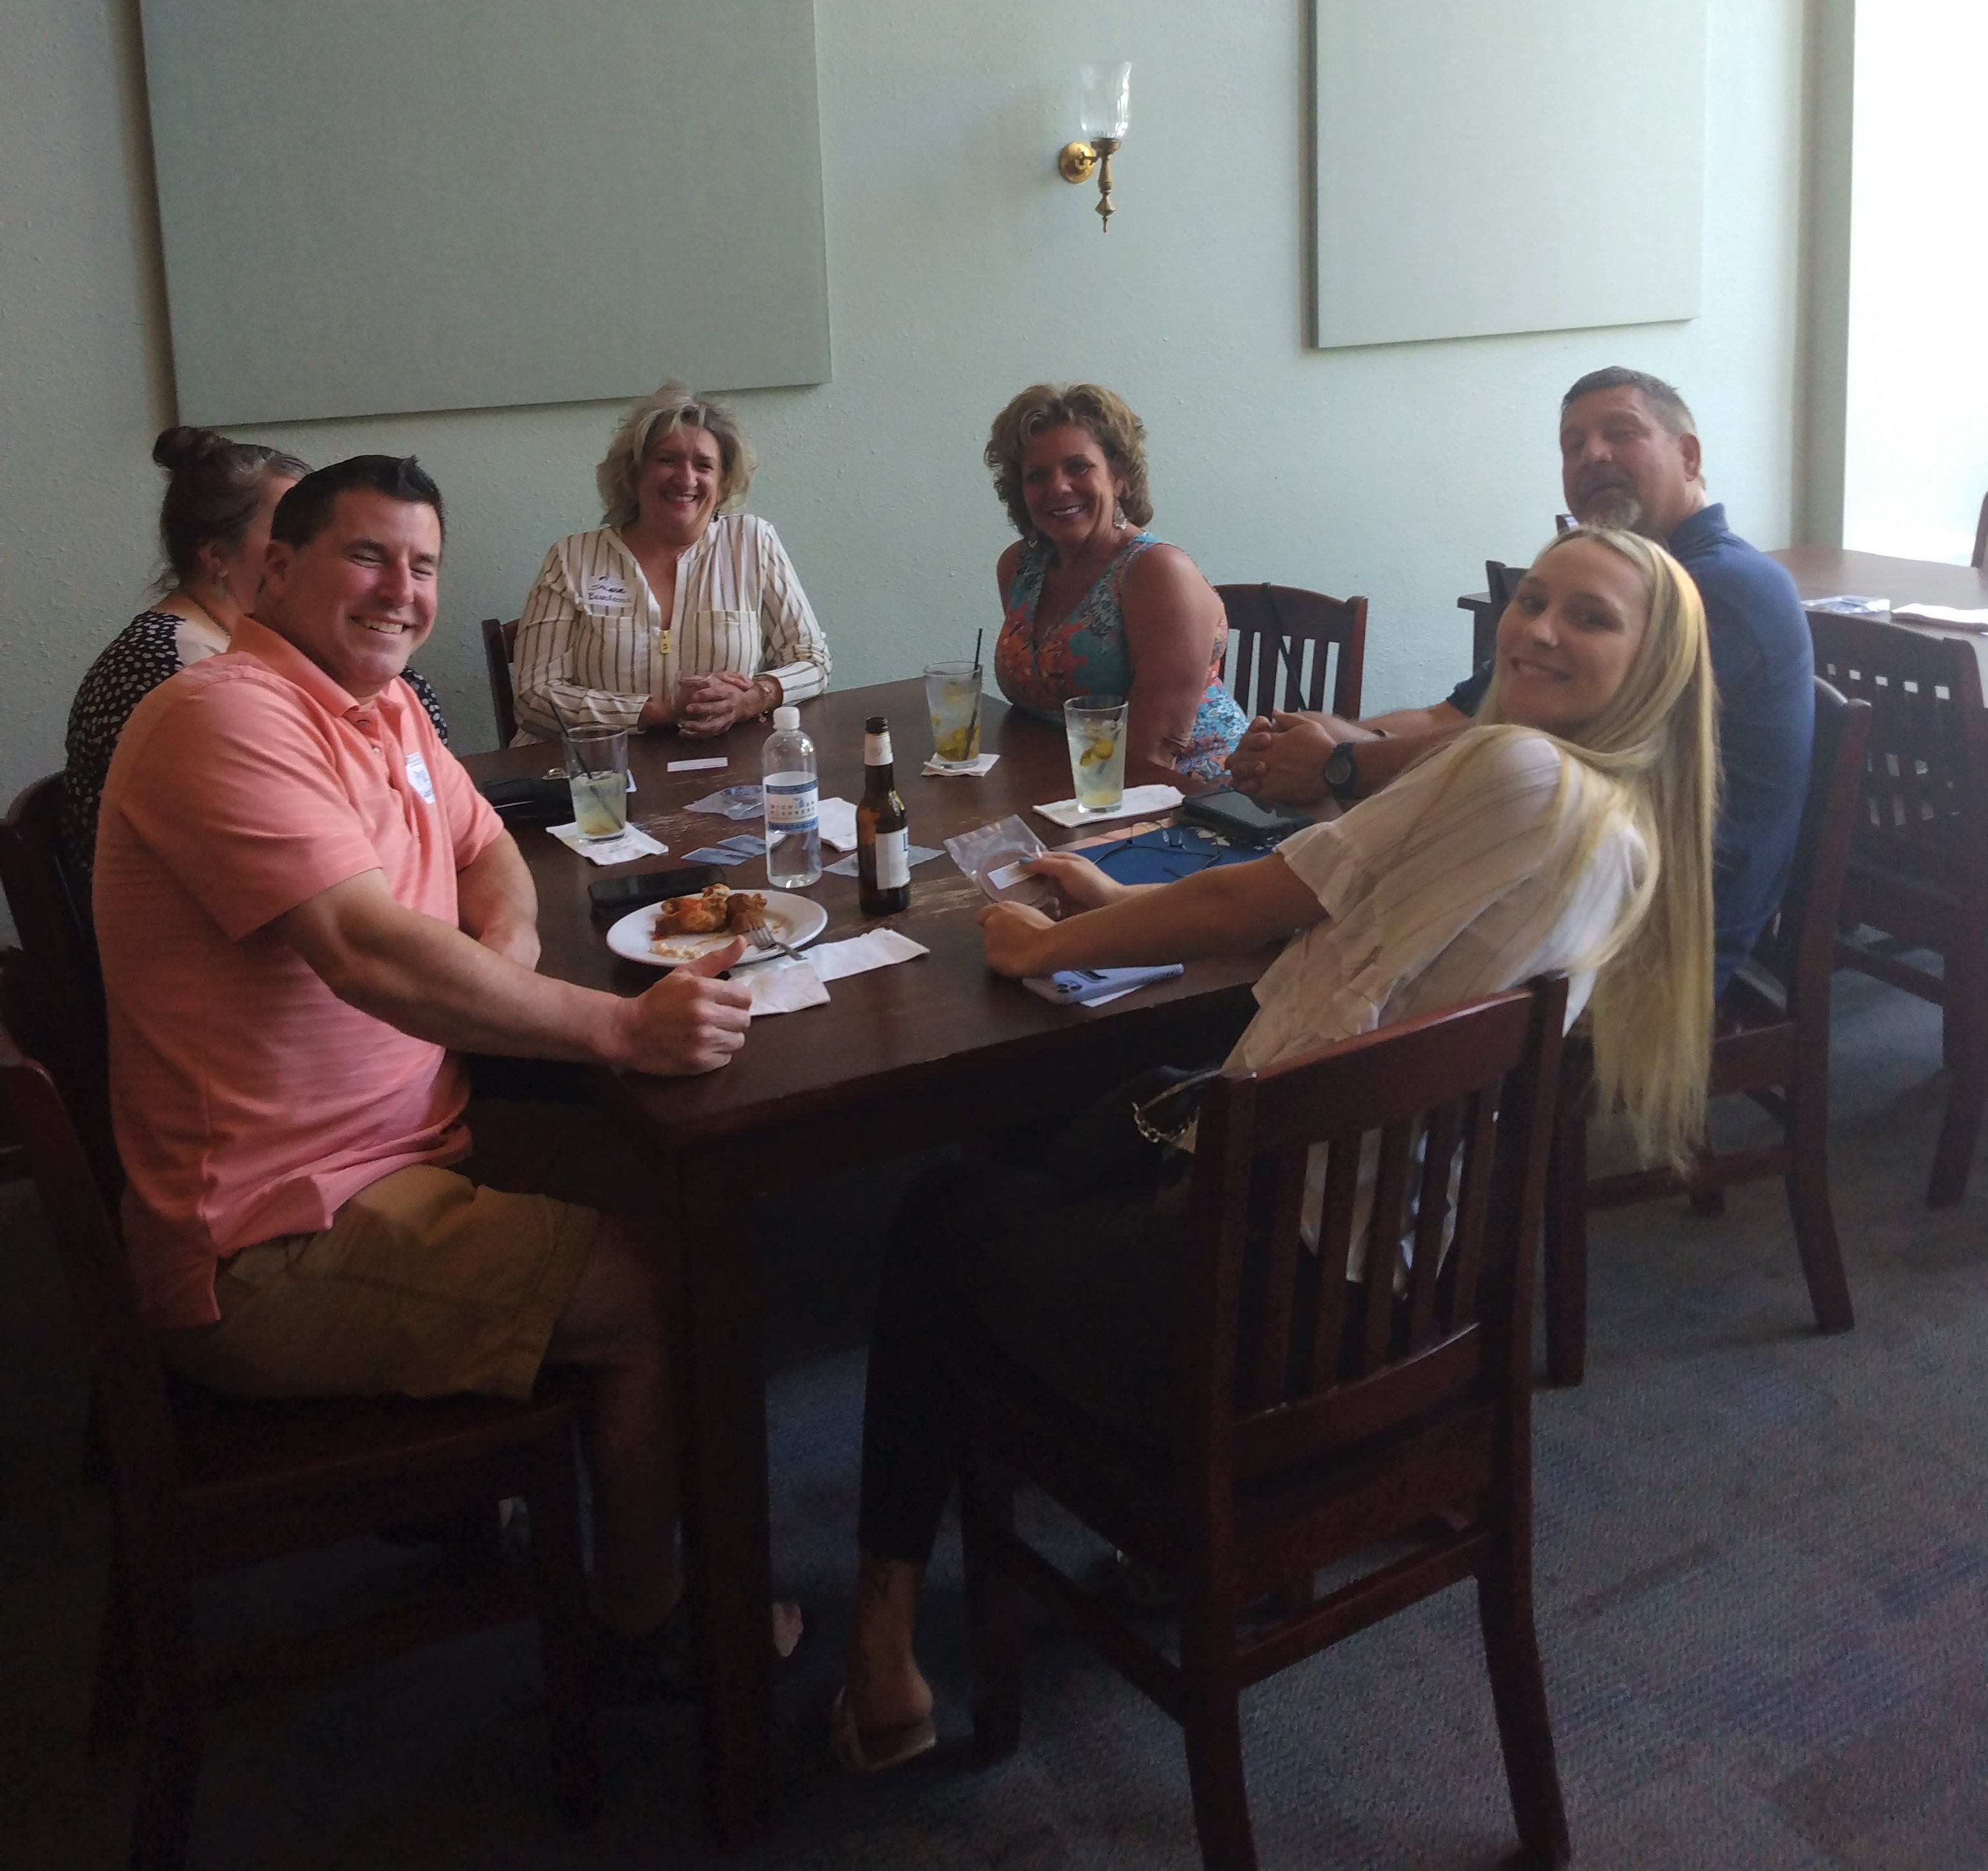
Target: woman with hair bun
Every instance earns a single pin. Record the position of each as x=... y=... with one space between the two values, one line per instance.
x=213 y=526
x=1092 y=603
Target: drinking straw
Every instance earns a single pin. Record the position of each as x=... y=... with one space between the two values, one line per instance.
x=973 y=720
x=566 y=728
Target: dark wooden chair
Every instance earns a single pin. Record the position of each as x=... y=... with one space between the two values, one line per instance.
x=1980 y=558
x=500 y=644
x=202 y=1483
x=1770 y=1044
x=50 y=899
x=1280 y=641
x=1919 y=855
x=1313 y=1425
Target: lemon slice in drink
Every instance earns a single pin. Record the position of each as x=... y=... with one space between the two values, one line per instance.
x=1098 y=752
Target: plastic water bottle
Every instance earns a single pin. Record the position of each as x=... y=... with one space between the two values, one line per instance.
x=793 y=810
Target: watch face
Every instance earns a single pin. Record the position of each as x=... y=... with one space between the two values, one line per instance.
x=1338 y=767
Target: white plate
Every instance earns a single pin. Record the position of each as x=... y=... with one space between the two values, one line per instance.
x=794 y=919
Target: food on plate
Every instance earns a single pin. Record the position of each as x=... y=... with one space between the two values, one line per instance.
x=717 y=909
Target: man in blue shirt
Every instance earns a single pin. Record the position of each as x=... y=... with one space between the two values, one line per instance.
x=1629 y=458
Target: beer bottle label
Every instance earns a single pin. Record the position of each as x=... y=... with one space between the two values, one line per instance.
x=894 y=859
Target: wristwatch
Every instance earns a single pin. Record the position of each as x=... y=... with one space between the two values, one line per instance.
x=1338 y=772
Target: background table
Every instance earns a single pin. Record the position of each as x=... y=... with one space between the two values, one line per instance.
x=1828 y=571
x=934 y=1050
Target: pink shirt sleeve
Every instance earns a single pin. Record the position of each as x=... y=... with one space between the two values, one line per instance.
x=230 y=787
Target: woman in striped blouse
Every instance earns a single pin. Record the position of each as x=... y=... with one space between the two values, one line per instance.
x=681 y=610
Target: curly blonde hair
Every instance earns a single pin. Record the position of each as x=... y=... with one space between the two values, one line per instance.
x=674 y=406
x=1112 y=425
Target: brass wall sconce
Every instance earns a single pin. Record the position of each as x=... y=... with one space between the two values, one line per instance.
x=1108 y=110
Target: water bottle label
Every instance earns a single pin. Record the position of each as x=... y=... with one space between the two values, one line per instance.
x=894 y=859
x=792 y=806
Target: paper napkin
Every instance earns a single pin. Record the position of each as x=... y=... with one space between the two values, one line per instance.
x=1951 y=615
x=914 y=854
x=838 y=822
x=961 y=769
x=783 y=986
x=632 y=843
x=1137 y=799
x=873 y=949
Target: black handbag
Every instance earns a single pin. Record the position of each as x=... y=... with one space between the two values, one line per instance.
x=1131 y=1141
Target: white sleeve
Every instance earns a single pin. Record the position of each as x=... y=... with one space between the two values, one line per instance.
x=796 y=652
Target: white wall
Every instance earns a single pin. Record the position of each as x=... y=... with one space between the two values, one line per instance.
x=960 y=269
x=1916 y=454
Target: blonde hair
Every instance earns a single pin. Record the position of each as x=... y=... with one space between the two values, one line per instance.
x=1655 y=748
x=674 y=406
x=1112 y=425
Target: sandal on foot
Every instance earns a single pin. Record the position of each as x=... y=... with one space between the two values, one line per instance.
x=875 y=1750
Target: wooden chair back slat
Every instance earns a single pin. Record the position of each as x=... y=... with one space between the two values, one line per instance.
x=1980 y=558
x=1383 y=1243
x=1432 y=1221
x=1473 y=1199
x=1466 y=1079
x=500 y=646
x=1282 y=639
x=1264 y=1379
x=1335 y=1230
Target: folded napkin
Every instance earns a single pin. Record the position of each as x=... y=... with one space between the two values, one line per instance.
x=632 y=843
x=1951 y=615
x=1137 y=799
x=783 y=986
x=873 y=949
x=838 y=822
x=696 y=767
x=914 y=854
x=731 y=802
x=961 y=769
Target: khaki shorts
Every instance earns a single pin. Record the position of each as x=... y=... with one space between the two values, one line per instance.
x=425 y=1283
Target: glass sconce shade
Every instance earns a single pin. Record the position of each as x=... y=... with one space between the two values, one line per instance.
x=1107 y=98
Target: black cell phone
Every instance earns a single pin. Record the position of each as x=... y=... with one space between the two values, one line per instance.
x=615 y=896
x=523 y=799
x=1242 y=820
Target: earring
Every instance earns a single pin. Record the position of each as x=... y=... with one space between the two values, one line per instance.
x=1118 y=514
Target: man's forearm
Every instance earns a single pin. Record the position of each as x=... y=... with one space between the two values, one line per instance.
x=497 y=902
x=1376 y=763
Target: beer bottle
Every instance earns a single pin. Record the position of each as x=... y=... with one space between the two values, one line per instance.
x=883 y=838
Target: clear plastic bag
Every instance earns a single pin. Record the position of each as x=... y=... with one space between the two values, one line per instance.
x=988 y=849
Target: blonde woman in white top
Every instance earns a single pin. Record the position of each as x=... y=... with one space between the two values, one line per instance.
x=1569 y=832
x=680 y=612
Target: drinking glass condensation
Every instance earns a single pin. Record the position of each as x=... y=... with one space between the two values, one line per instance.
x=1095 y=728
x=952 y=698
x=597 y=769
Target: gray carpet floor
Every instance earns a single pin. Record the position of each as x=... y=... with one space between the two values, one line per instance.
x=1763 y=1572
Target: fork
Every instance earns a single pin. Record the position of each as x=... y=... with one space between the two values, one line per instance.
x=766 y=942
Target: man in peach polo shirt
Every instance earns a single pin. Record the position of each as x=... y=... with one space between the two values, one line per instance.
x=304 y=907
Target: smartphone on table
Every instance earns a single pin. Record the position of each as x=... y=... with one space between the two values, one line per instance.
x=615 y=896
x=1242 y=820
x=1069 y=987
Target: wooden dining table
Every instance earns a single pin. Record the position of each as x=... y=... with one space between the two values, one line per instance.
x=931 y=1051
x=1830 y=571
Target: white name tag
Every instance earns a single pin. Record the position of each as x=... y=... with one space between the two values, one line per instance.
x=417 y=777
x=606 y=590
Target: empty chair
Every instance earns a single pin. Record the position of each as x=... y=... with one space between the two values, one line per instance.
x=1280 y=641
x=1771 y=1044
x=1316 y=1417
x=1919 y=855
